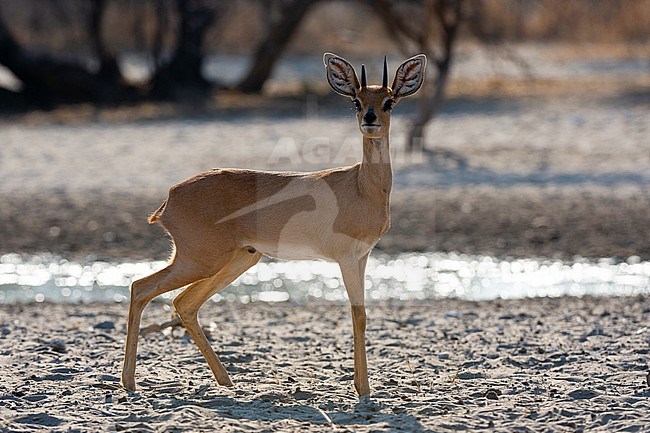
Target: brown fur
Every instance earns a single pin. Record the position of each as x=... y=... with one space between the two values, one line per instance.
x=223 y=221
x=155 y=216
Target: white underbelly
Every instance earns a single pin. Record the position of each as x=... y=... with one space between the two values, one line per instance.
x=290 y=252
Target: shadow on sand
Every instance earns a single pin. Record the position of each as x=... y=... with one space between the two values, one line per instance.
x=277 y=407
x=449 y=169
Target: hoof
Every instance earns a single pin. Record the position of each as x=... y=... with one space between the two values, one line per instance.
x=223 y=379
x=227 y=383
x=128 y=384
x=362 y=390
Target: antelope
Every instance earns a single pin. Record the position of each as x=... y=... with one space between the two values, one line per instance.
x=223 y=221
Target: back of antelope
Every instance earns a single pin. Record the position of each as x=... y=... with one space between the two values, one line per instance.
x=223 y=221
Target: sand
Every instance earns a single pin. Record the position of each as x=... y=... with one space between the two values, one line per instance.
x=564 y=364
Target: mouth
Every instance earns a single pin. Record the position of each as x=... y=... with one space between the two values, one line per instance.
x=370 y=128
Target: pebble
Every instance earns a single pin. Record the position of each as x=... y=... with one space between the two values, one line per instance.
x=107 y=324
x=583 y=394
x=492 y=394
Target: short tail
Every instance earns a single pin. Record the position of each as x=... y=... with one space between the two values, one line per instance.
x=156 y=215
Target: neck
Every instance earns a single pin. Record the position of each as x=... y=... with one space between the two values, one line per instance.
x=376 y=173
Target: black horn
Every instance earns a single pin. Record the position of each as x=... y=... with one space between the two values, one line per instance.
x=364 y=83
x=384 y=80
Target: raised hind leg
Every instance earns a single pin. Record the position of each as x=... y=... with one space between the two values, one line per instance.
x=189 y=302
x=177 y=274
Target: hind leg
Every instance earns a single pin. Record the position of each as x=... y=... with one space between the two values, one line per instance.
x=177 y=274
x=189 y=302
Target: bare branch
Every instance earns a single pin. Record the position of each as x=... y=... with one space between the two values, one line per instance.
x=289 y=15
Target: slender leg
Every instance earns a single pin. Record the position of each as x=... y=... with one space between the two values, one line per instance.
x=189 y=302
x=353 y=278
x=176 y=274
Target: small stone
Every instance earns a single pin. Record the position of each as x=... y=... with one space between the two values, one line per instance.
x=58 y=346
x=582 y=394
x=302 y=395
x=443 y=355
x=107 y=324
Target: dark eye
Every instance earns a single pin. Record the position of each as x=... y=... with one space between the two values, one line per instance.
x=357 y=105
x=388 y=105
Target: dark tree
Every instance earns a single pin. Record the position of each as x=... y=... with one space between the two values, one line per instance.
x=108 y=69
x=47 y=80
x=284 y=17
x=184 y=70
x=430 y=27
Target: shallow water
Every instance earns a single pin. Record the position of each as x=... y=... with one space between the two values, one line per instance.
x=411 y=276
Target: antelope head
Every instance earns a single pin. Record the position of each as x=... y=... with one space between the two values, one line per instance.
x=373 y=103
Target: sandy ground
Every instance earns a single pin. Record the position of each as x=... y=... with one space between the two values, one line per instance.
x=563 y=364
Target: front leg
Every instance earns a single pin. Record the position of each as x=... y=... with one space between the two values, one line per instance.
x=360 y=363
x=353 y=278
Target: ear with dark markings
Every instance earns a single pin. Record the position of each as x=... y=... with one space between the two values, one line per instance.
x=409 y=76
x=341 y=75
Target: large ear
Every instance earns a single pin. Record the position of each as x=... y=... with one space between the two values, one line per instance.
x=410 y=76
x=341 y=75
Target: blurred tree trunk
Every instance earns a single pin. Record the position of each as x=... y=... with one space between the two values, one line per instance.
x=284 y=18
x=433 y=32
x=47 y=81
x=162 y=25
x=184 y=71
x=109 y=70
x=448 y=16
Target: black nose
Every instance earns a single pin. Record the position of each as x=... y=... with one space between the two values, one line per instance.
x=370 y=116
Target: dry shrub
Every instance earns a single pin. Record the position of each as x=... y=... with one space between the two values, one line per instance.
x=566 y=20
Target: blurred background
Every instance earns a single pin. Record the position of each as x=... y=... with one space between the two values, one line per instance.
x=530 y=138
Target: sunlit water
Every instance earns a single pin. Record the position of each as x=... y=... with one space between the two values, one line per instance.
x=413 y=276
